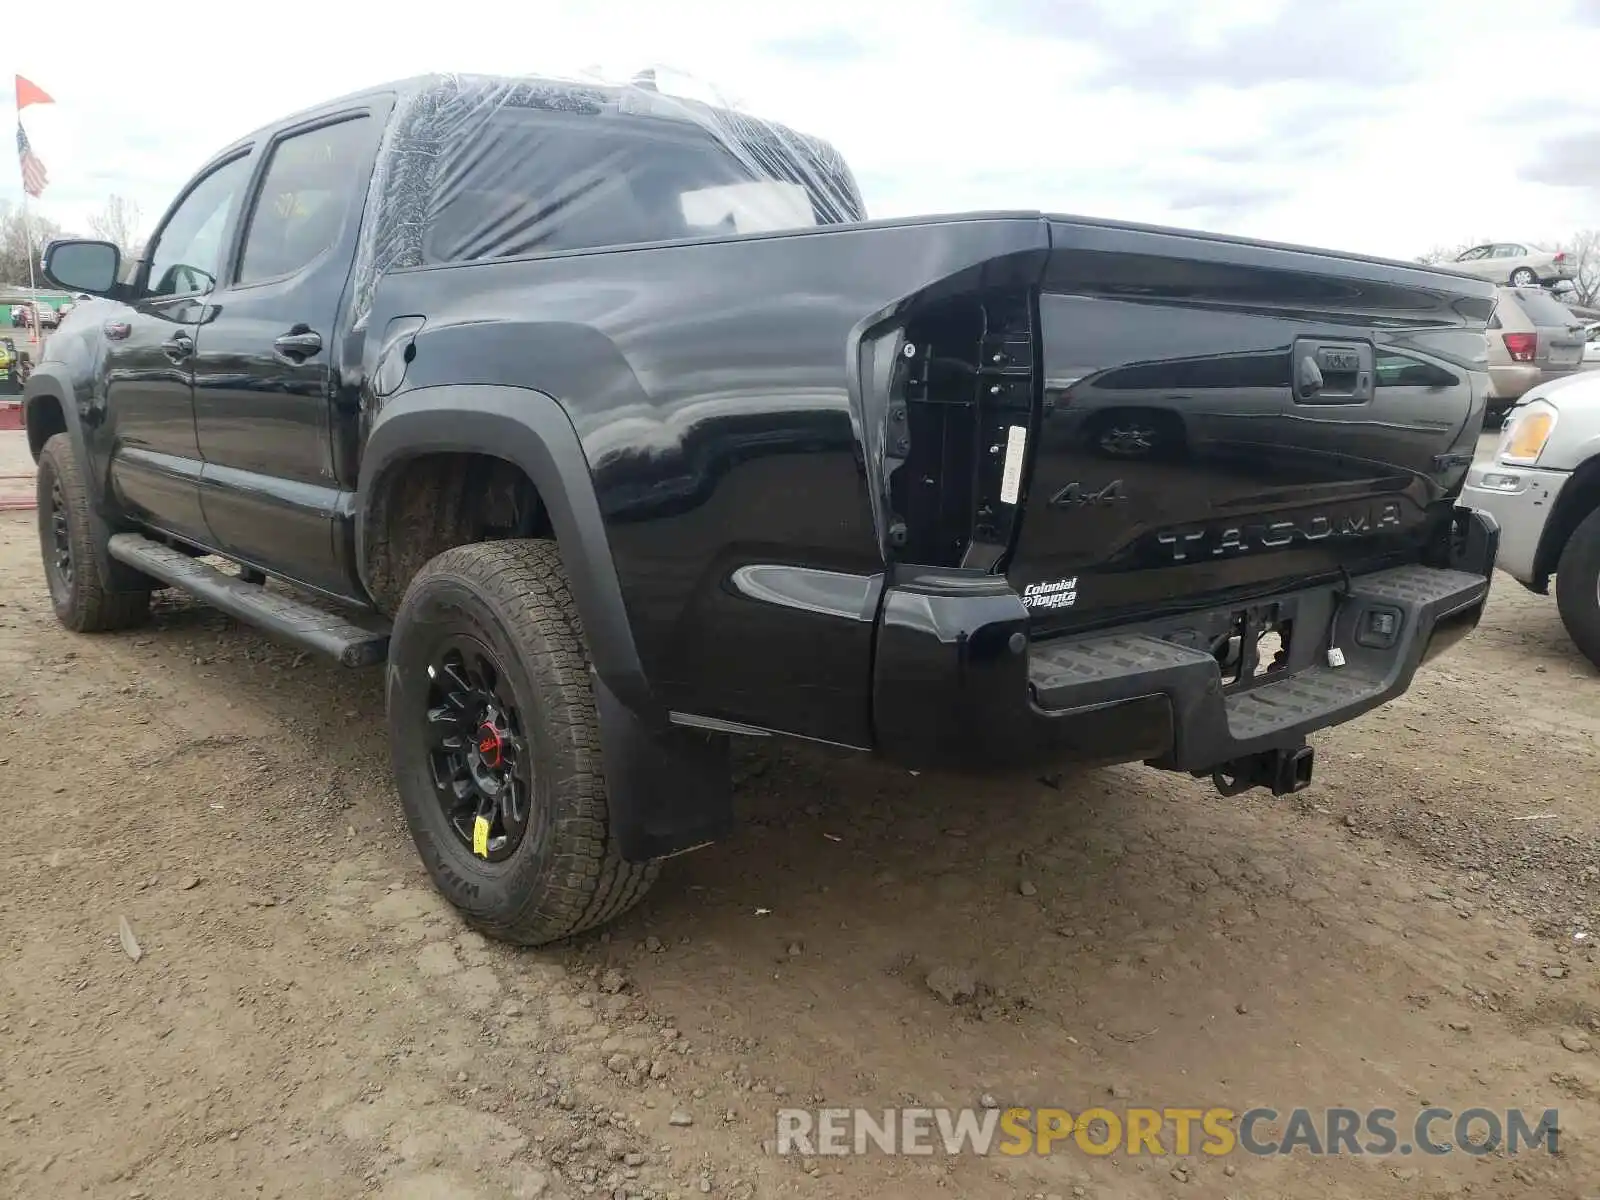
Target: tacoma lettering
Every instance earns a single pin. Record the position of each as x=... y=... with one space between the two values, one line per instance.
x=1243 y=539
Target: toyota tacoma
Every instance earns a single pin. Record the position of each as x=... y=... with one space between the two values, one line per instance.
x=609 y=425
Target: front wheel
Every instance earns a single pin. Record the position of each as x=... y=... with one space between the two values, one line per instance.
x=1578 y=586
x=495 y=743
x=67 y=544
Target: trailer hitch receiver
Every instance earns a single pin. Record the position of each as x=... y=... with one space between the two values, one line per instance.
x=1284 y=771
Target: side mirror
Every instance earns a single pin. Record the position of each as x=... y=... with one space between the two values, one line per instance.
x=83 y=266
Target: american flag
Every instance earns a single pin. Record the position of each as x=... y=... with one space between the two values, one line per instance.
x=34 y=176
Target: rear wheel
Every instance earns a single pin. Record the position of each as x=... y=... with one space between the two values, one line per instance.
x=66 y=542
x=1523 y=277
x=496 y=745
x=1578 y=586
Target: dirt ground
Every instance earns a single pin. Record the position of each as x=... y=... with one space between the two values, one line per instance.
x=306 y=1018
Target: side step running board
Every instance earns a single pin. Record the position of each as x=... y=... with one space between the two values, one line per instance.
x=286 y=617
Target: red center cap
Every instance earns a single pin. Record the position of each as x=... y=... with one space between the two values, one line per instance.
x=489 y=745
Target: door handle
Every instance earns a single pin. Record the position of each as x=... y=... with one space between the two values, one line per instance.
x=298 y=344
x=1311 y=380
x=178 y=347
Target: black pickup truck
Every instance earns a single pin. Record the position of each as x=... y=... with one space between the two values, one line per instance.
x=609 y=424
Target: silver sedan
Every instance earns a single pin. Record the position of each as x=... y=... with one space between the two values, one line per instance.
x=1516 y=263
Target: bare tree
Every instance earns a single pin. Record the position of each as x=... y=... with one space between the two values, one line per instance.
x=1583 y=259
x=118 y=223
x=20 y=243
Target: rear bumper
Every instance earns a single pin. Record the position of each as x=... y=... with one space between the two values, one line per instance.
x=959 y=684
x=1549 y=371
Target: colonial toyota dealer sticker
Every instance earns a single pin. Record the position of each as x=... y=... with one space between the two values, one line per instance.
x=1063 y=593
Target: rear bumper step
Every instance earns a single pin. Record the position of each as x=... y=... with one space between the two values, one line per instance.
x=959 y=683
x=287 y=617
x=1213 y=724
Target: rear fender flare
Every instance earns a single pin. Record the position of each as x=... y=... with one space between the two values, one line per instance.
x=531 y=431
x=669 y=788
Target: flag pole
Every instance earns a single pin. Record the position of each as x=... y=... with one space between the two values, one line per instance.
x=28 y=93
x=33 y=291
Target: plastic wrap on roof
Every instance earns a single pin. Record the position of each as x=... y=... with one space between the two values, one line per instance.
x=474 y=167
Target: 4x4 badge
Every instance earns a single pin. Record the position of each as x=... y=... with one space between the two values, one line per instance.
x=1075 y=495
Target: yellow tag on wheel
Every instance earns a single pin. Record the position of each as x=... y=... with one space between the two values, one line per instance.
x=480 y=837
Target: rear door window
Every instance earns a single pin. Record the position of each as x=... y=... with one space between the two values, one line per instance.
x=1544 y=309
x=313 y=184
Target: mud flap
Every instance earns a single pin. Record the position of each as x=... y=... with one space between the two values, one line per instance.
x=669 y=789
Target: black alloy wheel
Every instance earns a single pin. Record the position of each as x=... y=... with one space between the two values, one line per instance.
x=495 y=740
x=477 y=749
x=60 y=556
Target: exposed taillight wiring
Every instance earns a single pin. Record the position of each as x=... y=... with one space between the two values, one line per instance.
x=959 y=414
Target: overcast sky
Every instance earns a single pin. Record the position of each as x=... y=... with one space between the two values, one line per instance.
x=1384 y=126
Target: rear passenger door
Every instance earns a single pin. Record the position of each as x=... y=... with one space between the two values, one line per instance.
x=266 y=365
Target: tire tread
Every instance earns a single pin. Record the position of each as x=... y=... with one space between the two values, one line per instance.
x=1578 y=586
x=93 y=608
x=589 y=883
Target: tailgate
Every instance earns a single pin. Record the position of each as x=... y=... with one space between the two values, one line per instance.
x=1221 y=417
x=1565 y=346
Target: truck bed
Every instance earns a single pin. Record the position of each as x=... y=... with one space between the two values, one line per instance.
x=821 y=410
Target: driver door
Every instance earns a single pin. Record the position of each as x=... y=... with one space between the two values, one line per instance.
x=148 y=363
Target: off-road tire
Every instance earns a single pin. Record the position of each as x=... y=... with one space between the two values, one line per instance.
x=566 y=876
x=1578 y=586
x=82 y=602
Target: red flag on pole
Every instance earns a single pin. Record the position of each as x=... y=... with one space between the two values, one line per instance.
x=29 y=92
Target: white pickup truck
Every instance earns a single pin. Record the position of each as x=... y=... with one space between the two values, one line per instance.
x=1543 y=486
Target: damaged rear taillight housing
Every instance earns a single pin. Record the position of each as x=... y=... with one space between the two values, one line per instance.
x=959 y=419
